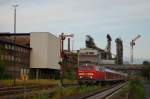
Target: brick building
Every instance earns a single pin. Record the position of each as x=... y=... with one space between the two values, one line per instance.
x=15 y=55
x=37 y=51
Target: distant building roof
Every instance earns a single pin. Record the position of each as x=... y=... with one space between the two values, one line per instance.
x=12 y=34
x=98 y=49
x=11 y=42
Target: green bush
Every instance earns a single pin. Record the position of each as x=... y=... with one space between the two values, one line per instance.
x=70 y=74
x=136 y=89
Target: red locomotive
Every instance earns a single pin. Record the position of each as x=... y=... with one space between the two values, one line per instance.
x=89 y=73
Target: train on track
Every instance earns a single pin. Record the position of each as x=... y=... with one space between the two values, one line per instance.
x=92 y=74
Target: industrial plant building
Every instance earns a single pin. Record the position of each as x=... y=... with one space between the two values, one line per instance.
x=15 y=55
x=36 y=53
x=44 y=55
x=94 y=56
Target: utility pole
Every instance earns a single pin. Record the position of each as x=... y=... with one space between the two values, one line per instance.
x=14 y=65
x=132 y=44
x=78 y=55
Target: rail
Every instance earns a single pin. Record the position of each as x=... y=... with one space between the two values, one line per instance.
x=98 y=94
x=105 y=94
x=5 y=91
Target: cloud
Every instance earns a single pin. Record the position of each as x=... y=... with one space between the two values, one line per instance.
x=123 y=18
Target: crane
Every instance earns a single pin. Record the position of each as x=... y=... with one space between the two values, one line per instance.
x=132 y=44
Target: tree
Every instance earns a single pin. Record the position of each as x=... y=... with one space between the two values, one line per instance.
x=146 y=63
x=90 y=42
x=146 y=70
x=2 y=69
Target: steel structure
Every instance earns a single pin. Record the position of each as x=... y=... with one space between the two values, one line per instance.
x=108 y=47
x=119 y=51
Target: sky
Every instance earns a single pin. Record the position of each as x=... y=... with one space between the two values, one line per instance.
x=120 y=18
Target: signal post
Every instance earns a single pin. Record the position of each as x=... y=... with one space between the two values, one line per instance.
x=62 y=37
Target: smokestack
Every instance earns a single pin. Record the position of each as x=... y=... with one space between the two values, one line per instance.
x=69 y=44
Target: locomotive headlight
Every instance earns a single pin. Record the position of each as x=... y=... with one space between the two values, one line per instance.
x=90 y=74
x=91 y=77
x=80 y=76
x=81 y=73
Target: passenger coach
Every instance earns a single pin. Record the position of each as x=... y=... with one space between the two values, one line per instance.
x=89 y=73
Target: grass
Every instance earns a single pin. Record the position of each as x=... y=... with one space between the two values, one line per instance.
x=59 y=93
x=134 y=88
x=123 y=92
x=40 y=95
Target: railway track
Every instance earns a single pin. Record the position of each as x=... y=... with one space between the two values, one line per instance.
x=5 y=91
x=105 y=94
x=99 y=94
x=21 y=89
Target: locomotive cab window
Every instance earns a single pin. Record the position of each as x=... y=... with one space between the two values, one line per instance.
x=102 y=68
x=86 y=68
x=87 y=64
x=97 y=68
